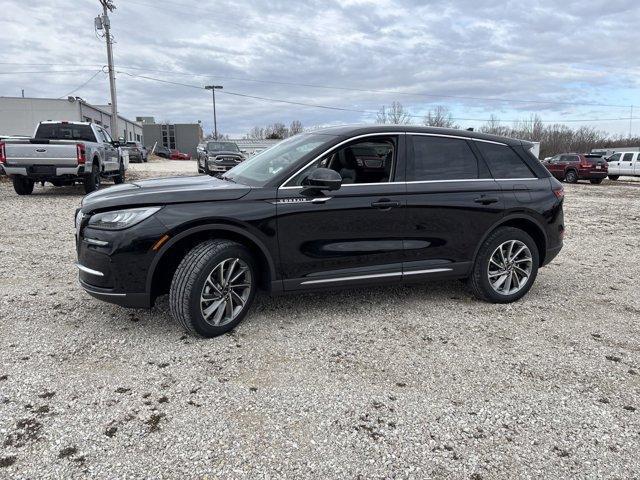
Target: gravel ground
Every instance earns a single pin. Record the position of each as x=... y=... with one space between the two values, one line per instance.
x=402 y=382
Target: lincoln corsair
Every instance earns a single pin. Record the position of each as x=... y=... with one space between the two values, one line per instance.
x=335 y=208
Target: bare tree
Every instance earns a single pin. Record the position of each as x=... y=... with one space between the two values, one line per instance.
x=295 y=128
x=394 y=115
x=439 y=117
x=276 y=131
x=256 y=133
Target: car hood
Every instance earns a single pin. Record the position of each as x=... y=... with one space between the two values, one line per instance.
x=223 y=152
x=163 y=191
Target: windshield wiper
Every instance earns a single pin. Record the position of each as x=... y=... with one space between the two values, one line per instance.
x=228 y=179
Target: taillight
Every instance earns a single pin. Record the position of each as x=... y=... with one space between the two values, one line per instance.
x=559 y=192
x=81 y=153
x=3 y=153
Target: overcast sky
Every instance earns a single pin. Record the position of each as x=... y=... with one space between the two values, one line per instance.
x=416 y=52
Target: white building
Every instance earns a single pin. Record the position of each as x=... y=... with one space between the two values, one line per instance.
x=19 y=116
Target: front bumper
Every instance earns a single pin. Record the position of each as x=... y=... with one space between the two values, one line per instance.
x=114 y=266
x=128 y=300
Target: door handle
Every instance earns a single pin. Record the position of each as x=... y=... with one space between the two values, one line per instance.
x=484 y=200
x=385 y=204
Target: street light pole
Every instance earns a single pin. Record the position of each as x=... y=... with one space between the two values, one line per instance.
x=213 y=89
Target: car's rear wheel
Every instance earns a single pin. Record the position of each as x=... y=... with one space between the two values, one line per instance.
x=506 y=266
x=23 y=185
x=596 y=181
x=213 y=287
x=571 y=177
x=92 y=181
x=614 y=177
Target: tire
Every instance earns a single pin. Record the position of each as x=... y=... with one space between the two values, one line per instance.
x=92 y=181
x=596 y=181
x=614 y=177
x=190 y=283
x=479 y=281
x=571 y=176
x=23 y=185
x=120 y=178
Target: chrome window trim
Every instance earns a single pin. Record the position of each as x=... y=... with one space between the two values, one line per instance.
x=456 y=136
x=364 y=135
x=283 y=187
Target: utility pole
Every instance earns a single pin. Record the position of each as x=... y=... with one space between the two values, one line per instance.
x=213 y=89
x=104 y=22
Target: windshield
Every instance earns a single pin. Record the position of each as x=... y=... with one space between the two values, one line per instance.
x=259 y=170
x=65 y=131
x=222 y=147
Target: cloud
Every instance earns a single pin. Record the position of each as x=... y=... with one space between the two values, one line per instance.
x=573 y=53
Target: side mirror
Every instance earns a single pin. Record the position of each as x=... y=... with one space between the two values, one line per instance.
x=322 y=179
x=116 y=143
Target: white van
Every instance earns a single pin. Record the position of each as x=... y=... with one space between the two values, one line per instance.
x=624 y=163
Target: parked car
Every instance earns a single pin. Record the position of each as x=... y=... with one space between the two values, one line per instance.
x=571 y=167
x=627 y=164
x=216 y=157
x=305 y=215
x=178 y=155
x=137 y=152
x=162 y=151
x=63 y=153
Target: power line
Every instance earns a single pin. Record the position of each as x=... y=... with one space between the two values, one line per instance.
x=82 y=85
x=352 y=89
x=330 y=107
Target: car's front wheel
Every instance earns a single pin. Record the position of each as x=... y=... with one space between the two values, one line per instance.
x=121 y=176
x=506 y=266
x=213 y=287
x=614 y=177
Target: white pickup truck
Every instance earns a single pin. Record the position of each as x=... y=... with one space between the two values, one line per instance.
x=624 y=163
x=63 y=153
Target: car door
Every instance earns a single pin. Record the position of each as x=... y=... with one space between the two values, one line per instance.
x=452 y=201
x=111 y=153
x=350 y=235
x=552 y=166
x=626 y=163
x=636 y=165
x=614 y=164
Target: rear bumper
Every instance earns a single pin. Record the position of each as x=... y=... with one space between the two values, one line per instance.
x=550 y=254
x=592 y=174
x=32 y=171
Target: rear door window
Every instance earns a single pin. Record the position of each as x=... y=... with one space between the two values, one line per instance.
x=504 y=162
x=627 y=157
x=441 y=158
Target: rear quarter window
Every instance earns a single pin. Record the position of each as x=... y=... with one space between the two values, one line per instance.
x=503 y=161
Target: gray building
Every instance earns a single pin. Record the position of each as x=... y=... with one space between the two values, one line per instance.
x=19 y=116
x=182 y=136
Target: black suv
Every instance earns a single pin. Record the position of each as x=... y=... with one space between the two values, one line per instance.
x=336 y=208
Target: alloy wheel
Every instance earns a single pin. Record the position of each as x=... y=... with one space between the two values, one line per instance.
x=225 y=291
x=510 y=267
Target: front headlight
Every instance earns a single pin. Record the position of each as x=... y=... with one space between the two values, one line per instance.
x=121 y=219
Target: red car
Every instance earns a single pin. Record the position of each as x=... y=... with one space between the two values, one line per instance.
x=178 y=155
x=571 y=167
